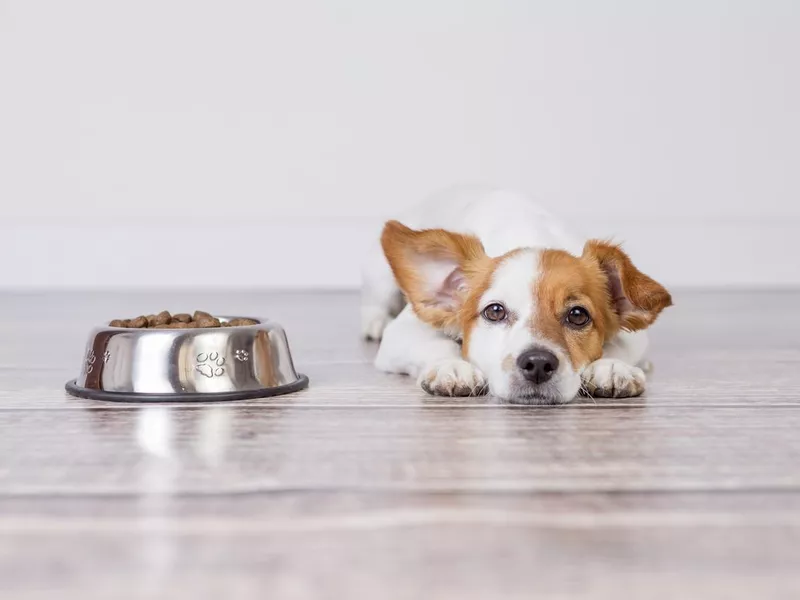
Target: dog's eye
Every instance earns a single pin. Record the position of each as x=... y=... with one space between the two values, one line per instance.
x=494 y=312
x=578 y=317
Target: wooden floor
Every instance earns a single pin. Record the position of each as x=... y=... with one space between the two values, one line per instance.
x=363 y=487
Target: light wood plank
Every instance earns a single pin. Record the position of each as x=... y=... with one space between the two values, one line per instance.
x=228 y=449
x=426 y=560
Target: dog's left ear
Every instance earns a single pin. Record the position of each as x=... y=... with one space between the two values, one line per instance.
x=634 y=297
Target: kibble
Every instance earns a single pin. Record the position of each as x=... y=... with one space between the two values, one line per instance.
x=208 y=322
x=165 y=320
x=241 y=322
x=138 y=322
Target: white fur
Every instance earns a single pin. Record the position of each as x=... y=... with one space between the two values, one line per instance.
x=410 y=345
x=503 y=220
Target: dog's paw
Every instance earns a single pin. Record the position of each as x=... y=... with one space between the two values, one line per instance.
x=454 y=377
x=612 y=378
x=373 y=322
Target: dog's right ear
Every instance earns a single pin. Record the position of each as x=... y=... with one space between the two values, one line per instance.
x=433 y=267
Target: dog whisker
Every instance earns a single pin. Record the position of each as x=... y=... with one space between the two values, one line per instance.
x=587 y=393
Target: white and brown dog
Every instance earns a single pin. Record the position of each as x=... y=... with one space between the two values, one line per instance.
x=502 y=298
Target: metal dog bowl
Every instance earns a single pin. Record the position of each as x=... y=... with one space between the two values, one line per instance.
x=177 y=365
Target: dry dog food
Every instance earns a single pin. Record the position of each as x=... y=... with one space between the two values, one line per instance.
x=164 y=320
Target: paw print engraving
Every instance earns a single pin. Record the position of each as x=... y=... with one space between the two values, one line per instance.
x=210 y=365
x=242 y=355
x=90 y=360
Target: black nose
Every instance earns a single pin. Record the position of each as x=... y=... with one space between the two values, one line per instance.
x=537 y=365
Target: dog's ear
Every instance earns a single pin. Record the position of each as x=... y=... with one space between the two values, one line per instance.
x=433 y=267
x=633 y=296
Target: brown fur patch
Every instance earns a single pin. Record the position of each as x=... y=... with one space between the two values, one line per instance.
x=565 y=282
x=605 y=282
x=470 y=310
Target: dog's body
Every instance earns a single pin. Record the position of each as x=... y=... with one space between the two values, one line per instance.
x=502 y=295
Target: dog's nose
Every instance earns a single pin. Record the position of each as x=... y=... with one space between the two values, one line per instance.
x=537 y=365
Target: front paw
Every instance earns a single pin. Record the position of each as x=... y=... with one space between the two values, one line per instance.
x=454 y=377
x=612 y=378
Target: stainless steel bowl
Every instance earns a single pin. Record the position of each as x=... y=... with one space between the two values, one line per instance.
x=177 y=365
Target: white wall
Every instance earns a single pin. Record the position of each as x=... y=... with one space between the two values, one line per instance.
x=262 y=142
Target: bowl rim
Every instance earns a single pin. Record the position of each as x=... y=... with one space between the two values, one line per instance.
x=73 y=389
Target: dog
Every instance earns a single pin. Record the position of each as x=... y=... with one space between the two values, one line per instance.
x=480 y=289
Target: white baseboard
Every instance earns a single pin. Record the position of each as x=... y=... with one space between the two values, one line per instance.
x=317 y=254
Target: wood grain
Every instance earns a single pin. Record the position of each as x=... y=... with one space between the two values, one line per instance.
x=365 y=487
x=233 y=449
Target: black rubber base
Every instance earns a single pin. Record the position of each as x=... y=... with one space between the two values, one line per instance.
x=301 y=383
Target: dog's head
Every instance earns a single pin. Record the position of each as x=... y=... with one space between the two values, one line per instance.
x=531 y=320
